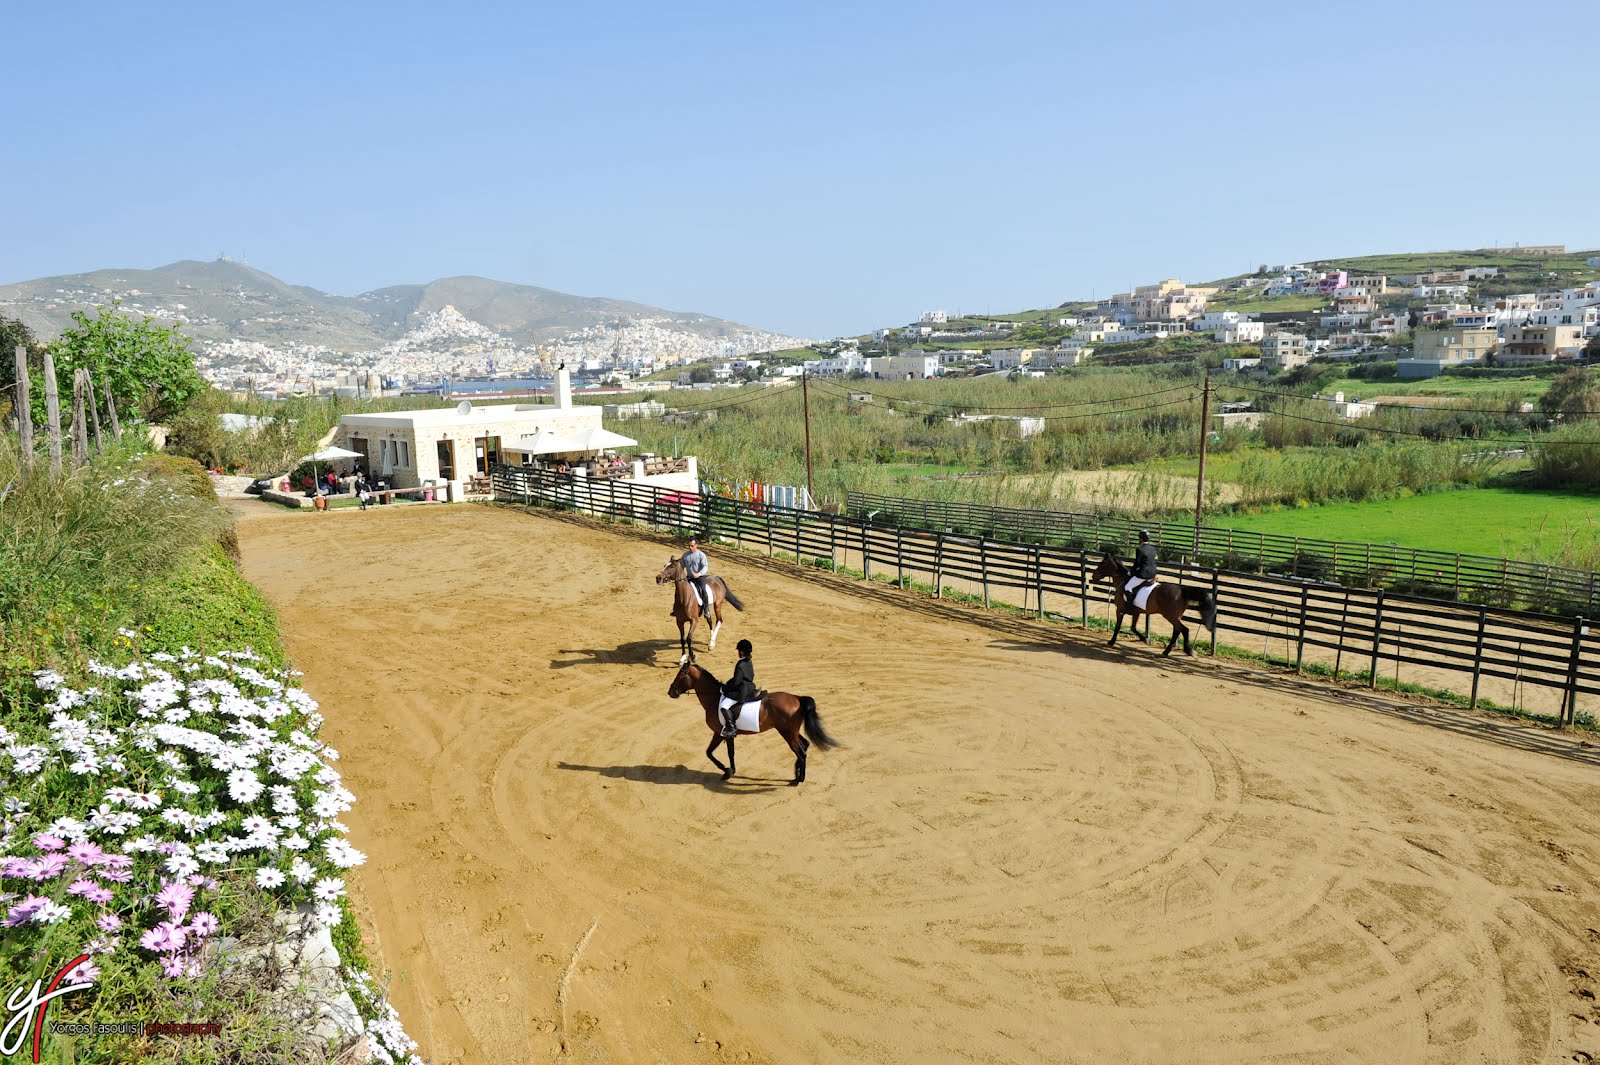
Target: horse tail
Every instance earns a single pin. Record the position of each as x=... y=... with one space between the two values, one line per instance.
x=813 y=724
x=1208 y=606
x=732 y=599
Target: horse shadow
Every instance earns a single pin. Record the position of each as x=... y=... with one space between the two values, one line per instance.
x=680 y=774
x=633 y=653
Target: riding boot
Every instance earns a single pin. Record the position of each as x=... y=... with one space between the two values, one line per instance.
x=730 y=725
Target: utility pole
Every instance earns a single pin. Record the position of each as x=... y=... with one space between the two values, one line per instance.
x=805 y=400
x=1200 y=483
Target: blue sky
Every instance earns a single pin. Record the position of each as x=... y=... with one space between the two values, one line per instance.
x=816 y=168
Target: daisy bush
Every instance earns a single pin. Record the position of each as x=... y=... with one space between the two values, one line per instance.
x=147 y=807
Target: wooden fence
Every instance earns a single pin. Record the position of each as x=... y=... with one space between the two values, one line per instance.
x=1431 y=574
x=1357 y=630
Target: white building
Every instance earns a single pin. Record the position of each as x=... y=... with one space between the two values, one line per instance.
x=933 y=317
x=838 y=365
x=1244 y=332
x=1007 y=358
x=914 y=365
x=1026 y=426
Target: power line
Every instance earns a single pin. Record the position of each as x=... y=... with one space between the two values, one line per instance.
x=1426 y=436
x=766 y=393
x=990 y=409
x=1383 y=406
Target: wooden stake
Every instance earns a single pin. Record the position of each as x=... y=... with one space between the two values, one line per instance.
x=52 y=413
x=111 y=408
x=94 y=413
x=80 y=430
x=24 y=412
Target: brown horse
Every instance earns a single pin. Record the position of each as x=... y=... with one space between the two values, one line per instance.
x=686 y=605
x=780 y=710
x=1168 y=600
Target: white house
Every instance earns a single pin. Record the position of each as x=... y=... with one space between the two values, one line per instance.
x=1243 y=332
x=912 y=365
x=1007 y=358
x=1026 y=426
x=838 y=365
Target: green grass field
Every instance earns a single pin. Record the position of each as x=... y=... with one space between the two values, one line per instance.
x=1507 y=522
x=1528 y=388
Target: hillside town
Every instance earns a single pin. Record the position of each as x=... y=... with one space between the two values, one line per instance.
x=1426 y=322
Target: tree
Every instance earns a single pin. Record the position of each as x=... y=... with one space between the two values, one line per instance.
x=1573 y=394
x=148 y=366
x=14 y=332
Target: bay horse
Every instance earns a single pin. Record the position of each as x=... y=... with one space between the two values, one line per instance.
x=789 y=714
x=1168 y=600
x=686 y=609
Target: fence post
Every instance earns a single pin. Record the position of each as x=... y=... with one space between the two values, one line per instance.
x=1569 y=698
x=983 y=567
x=111 y=409
x=738 y=521
x=1344 y=618
x=1083 y=585
x=1038 y=577
x=1477 y=658
x=1214 y=587
x=94 y=413
x=1300 y=633
x=899 y=556
x=833 y=541
x=866 y=553
x=24 y=413
x=938 y=565
x=796 y=515
x=1377 y=636
x=52 y=412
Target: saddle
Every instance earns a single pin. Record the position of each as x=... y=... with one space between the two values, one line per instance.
x=1141 y=594
x=748 y=718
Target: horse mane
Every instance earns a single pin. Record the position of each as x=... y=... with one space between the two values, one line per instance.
x=708 y=675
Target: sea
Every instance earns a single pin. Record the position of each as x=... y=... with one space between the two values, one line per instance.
x=498 y=384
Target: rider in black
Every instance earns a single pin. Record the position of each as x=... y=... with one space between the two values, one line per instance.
x=741 y=687
x=1144 y=566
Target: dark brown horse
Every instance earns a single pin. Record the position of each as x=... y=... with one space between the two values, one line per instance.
x=1168 y=600
x=686 y=609
x=780 y=710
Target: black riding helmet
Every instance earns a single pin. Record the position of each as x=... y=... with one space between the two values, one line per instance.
x=744 y=647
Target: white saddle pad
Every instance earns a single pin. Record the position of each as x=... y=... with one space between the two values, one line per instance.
x=749 y=714
x=1142 y=596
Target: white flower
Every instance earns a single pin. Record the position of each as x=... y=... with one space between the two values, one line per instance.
x=88 y=764
x=302 y=871
x=326 y=914
x=182 y=787
x=149 y=800
x=28 y=760
x=142 y=844
x=47 y=679
x=296 y=842
x=244 y=785
x=268 y=877
x=50 y=911
x=69 y=828
x=328 y=888
x=211 y=853
x=171 y=759
x=289 y=821
x=182 y=865
x=283 y=799
x=341 y=854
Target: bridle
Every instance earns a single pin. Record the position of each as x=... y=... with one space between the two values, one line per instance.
x=681 y=683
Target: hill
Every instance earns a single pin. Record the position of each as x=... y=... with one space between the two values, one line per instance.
x=222 y=301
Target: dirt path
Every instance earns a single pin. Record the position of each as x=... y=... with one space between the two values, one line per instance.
x=1033 y=850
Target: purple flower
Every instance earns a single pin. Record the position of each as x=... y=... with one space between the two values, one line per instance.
x=164 y=937
x=87 y=853
x=16 y=867
x=172 y=966
x=85 y=972
x=118 y=861
x=203 y=924
x=89 y=890
x=116 y=876
x=47 y=842
x=46 y=866
x=22 y=911
x=175 y=896
x=197 y=880
x=108 y=922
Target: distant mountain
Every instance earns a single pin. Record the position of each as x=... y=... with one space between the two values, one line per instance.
x=225 y=301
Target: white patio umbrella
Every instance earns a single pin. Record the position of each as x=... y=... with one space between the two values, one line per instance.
x=330 y=454
x=544 y=442
x=598 y=440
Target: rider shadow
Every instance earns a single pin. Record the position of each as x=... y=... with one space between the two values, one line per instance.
x=633 y=653
x=679 y=774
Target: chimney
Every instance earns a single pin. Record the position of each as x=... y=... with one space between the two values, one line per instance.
x=563 y=389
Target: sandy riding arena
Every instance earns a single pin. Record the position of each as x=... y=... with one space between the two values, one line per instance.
x=1031 y=848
